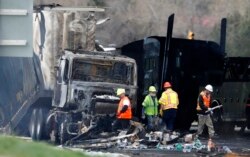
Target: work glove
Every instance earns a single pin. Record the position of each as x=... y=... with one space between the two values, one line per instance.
x=161 y=113
x=210 y=110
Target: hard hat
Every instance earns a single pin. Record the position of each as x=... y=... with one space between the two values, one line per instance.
x=167 y=84
x=120 y=91
x=209 y=88
x=152 y=89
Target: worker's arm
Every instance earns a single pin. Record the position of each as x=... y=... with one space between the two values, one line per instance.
x=145 y=102
x=125 y=106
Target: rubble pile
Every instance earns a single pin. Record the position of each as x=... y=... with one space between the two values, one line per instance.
x=136 y=138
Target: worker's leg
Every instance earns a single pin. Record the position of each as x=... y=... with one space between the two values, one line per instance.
x=210 y=126
x=156 y=122
x=125 y=123
x=201 y=123
x=150 y=123
x=116 y=125
x=171 y=120
x=165 y=118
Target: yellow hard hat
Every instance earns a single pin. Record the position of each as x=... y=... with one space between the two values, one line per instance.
x=152 y=89
x=120 y=91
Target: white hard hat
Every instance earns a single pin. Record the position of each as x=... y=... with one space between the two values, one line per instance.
x=209 y=88
x=120 y=91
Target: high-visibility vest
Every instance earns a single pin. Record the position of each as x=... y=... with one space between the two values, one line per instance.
x=128 y=113
x=169 y=99
x=150 y=105
x=206 y=100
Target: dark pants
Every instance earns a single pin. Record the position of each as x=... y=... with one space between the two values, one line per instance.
x=169 y=118
x=152 y=123
x=120 y=124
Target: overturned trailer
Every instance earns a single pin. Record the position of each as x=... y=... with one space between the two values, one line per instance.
x=189 y=65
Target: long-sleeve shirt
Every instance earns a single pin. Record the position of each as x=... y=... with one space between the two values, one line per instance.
x=150 y=105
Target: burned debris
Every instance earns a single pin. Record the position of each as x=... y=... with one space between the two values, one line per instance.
x=137 y=138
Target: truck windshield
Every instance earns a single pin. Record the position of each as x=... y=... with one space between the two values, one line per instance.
x=102 y=71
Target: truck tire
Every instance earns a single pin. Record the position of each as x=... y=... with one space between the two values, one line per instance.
x=32 y=125
x=2 y=117
x=37 y=124
x=40 y=126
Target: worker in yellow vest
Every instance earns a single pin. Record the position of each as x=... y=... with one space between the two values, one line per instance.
x=203 y=105
x=150 y=108
x=124 y=111
x=169 y=102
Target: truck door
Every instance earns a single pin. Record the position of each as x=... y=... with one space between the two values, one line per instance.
x=60 y=91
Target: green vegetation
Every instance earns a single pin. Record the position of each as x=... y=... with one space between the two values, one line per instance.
x=13 y=147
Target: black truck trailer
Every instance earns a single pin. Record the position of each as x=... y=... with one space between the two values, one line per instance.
x=189 y=65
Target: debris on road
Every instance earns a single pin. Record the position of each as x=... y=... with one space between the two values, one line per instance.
x=136 y=138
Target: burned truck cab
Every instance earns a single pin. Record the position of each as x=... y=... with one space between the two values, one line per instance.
x=86 y=88
x=92 y=77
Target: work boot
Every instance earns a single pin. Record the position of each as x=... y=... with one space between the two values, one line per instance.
x=167 y=131
x=215 y=136
x=201 y=137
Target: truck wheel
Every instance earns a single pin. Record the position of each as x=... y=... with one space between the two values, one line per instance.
x=37 y=124
x=32 y=125
x=40 y=130
x=2 y=117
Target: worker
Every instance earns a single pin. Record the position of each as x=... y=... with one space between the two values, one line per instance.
x=203 y=108
x=150 y=108
x=124 y=111
x=169 y=102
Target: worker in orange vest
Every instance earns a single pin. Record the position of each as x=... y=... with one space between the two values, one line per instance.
x=203 y=105
x=124 y=111
x=169 y=102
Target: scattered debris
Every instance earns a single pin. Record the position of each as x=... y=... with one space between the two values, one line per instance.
x=136 y=138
